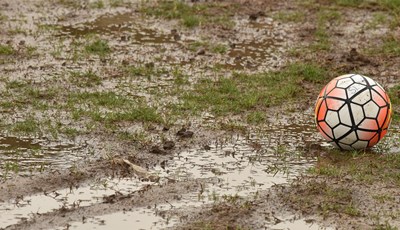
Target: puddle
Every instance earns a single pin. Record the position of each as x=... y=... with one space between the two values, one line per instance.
x=122 y=25
x=132 y=220
x=21 y=209
x=300 y=224
x=239 y=166
x=236 y=166
x=251 y=54
x=27 y=155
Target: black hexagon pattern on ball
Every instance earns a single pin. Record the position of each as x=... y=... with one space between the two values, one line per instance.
x=354 y=89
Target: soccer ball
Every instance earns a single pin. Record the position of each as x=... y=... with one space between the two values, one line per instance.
x=353 y=112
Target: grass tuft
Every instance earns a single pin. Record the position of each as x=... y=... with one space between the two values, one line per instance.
x=28 y=126
x=6 y=50
x=85 y=79
x=98 y=47
x=190 y=15
x=244 y=92
x=391 y=46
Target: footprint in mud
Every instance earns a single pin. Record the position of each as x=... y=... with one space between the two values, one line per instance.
x=167 y=145
x=157 y=150
x=184 y=133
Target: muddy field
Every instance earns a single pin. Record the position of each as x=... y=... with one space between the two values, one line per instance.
x=120 y=114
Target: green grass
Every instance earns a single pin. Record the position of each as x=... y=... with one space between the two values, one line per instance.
x=104 y=99
x=180 y=78
x=191 y=21
x=98 y=47
x=213 y=48
x=141 y=113
x=256 y=117
x=324 y=198
x=385 y=226
x=322 y=41
x=382 y=198
x=377 y=20
x=190 y=15
x=147 y=70
x=244 y=92
x=99 y=4
x=15 y=84
x=361 y=167
x=85 y=79
x=394 y=94
x=349 y=2
x=219 y=48
x=70 y=3
x=391 y=46
x=392 y=6
x=110 y=107
x=117 y=3
x=3 y=17
x=6 y=50
x=28 y=126
x=285 y=16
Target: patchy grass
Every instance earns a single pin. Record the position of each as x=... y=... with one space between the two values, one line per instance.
x=28 y=126
x=3 y=17
x=219 y=48
x=322 y=36
x=394 y=94
x=377 y=20
x=117 y=3
x=98 y=47
x=256 y=117
x=323 y=198
x=190 y=21
x=99 y=4
x=213 y=48
x=110 y=107
x=15 y=85
x=244 y=92
x=349 y=2
x=70 y=3
x=104 y=99
x=141 y=113
x=361 y=167
x=180 y=78
x=289 y=16
x=85 y=79
x=190 y=15
x=146 y=70
x=6 y=50
x=391 y=46
x=393 y=5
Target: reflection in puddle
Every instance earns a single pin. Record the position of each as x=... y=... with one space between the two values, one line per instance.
x=21 y=209
x=25 y=155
